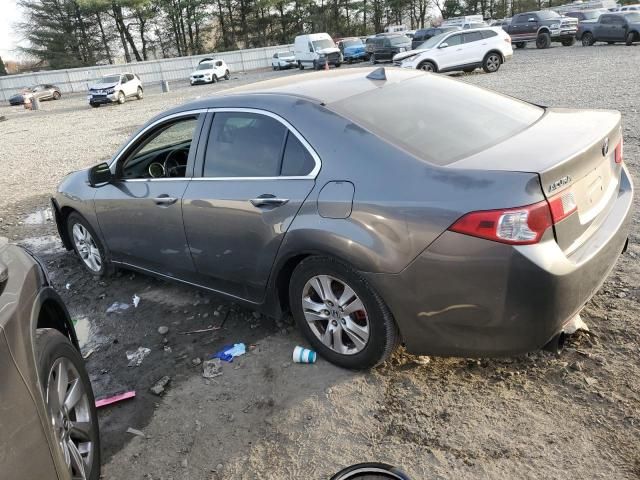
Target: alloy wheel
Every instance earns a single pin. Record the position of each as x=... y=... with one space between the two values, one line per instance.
x=335 y=314
x=493 y=63
x=427 y=67
x=70 y=414
x=87 y=247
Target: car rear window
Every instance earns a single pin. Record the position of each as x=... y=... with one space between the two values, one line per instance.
x=438 y=119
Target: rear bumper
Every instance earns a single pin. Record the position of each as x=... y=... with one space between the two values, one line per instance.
x=466 y=296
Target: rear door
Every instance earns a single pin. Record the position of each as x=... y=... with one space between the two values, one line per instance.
x=255 y=174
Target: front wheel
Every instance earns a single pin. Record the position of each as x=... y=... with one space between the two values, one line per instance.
x=227 y=75
x=87 y=246
x=569 y=42
x=543 y=40
x=338 y=65
x=139 y=93
x=340 y=314
x=630 y=38
x=520 y=44
x=56 y=95
x=69 y=402
x=427 y=67
x=491 y=62
x=121 y=98
x=587 y=39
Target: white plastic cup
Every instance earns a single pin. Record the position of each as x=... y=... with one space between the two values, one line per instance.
x=303 y=355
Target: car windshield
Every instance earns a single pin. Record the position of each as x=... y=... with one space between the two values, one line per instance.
x=352 y=43
x=205 y=66
x=633 y=16
x=322 y=44
x=433 y=41
x=110 y=79
x=400 y=40
x=547 y=14
x=469 y=119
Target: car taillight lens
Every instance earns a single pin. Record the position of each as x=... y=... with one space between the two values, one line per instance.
x=515 y=226
x=618 y=152
x=562 y=205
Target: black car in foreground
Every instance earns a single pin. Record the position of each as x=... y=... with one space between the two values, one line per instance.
x=610 y=28
x=41 y=92
x=385 y=46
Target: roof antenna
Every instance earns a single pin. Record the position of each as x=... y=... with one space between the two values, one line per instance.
x=377 y=74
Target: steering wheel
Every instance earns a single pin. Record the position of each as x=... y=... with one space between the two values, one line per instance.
x=172 y=164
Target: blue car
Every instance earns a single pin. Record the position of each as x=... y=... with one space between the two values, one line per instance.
x=353 y=49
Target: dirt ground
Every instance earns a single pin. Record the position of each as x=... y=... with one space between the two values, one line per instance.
x=536 y=416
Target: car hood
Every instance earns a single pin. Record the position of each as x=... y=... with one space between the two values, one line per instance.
x=404 y=55
x=326 y=51
x=102 y=86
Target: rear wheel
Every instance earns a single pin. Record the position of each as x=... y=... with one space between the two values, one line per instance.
x=121 y=98
x=491 y=62
x=69 y=402
x=587 y=39
x=427 y=67
x=569 y=42
x=543 y=40
x=344 y=319
x=139 y=93
x=214 y=78
x=631 y=36
x=87 y=246
x=520 y=44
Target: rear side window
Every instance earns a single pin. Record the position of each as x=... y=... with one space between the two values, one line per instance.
x=244 y=144
x=297 y=161
x=488 y=33
x=438 y=119
x=472 y=37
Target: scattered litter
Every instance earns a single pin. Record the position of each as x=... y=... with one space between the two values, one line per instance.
x=118 y=307
x=136 y=357
x=163 y=330
x=160 y=386
x=136 y=301
x=421 y=360
x=575 y=324
x=89 y=353
x=212 y=329
x=228 y=352
x=211 y=368
x=103 y=402
x=133 y=431
x=303 y=355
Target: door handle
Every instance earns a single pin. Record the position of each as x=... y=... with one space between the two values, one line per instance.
x=268 y=200
x=165 y=200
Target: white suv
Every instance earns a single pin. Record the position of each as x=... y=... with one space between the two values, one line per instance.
x=460 y=50
x=209 y=70
x=115 y=88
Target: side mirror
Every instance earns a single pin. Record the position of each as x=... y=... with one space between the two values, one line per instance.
x=443 y=45
x=100 y=174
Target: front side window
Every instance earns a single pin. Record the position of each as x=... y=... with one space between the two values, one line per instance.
x=163 y=153
x=129 y=76
x=606 y=20
x=454 y=40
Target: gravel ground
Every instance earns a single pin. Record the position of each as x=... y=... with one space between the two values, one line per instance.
x=535 y=416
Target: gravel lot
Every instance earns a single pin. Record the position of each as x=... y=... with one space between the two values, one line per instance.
x=535 y=416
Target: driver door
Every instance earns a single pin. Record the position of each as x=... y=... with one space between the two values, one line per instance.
x=140 y=211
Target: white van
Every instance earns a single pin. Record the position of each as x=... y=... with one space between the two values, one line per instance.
x=315 y=50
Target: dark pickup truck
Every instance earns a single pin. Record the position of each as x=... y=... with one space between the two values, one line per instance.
x=543 y=27
x=610 y=28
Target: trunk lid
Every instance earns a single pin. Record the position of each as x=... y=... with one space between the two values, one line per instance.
x=573 y=153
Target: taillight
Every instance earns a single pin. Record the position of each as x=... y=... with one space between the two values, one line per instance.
x=515 y=226
x=562 y=205
x=618 y=151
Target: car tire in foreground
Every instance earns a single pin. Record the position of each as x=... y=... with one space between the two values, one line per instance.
x=543 y=40
x=340 y=314
x=87 y=245
x=491 y=62
x=139 y=93
x=428 y=67
x=587 y=39
x=69 y=402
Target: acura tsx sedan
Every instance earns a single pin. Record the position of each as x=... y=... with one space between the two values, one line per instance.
x=49 y=422
x=333 y=197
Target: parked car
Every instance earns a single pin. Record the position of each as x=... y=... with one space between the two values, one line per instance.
x=368 y=44
x=283 y=60
x=629 y=8
x=353 y=49
x=115 y=88
x=480 y=234
x=210 y=70
x=466 y=50
x=41 y=92
x=465 y=22
x=49 y=422
x=315 y=50
x=425 y=34
x=386 y=46
x=543 y=27
x=589 y=14
x=611 y=28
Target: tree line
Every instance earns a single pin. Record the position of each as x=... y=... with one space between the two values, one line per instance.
x=76 y=33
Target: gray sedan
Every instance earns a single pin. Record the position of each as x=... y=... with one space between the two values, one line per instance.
x=378 y=207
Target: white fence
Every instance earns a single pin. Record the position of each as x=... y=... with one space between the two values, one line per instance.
x=153 y=71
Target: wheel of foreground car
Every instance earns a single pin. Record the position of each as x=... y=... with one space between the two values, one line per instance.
x=226 y=75
x=70 y=403
x=428 y=67
x=569 y=42
x=587 y=39
x=86 y=245
x=491 y=62
x=56 y=95
x=521 y=44
x=341 y=315
x=630 y=38
x=121 y=98
x=139 y=93
x=543 y=40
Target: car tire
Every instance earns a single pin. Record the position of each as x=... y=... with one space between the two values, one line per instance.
x=338 y=64
x=428 y=66
x=95 y=105
x=520 y=44
x=374 y=318
x=56 y=354
x=57 y=95
x=631 y=36
x=587 y=39
x=543 y=40
x=227 y=75
x=569 y=43
x=121 y=98
x=491 y=62
x=372 y=59
x=300 y=66
x=85 y=241
x=139 y=93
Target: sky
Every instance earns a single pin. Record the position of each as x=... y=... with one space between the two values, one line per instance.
x=9 y=15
